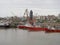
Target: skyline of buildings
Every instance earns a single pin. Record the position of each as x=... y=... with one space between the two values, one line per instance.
x=37 y=11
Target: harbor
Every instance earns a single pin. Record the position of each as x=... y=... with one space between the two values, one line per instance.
x=29 y=22
x=17 y=36
x=22 y=31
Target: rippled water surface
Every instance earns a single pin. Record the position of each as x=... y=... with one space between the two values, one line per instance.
x=23 y=37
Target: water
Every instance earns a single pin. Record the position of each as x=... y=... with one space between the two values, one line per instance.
x=23 y=37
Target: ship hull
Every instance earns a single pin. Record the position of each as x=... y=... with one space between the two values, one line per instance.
x=52 y=31
x=39 y=29
x=4 y=26
x=32 y=28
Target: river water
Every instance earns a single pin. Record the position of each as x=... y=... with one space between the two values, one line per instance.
x=23 y=37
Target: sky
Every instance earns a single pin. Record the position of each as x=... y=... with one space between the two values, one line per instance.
x=17 y=7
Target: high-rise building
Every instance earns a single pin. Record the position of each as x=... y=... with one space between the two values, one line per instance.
x=31 y=15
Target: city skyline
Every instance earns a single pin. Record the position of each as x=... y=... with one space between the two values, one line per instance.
x=42 y=7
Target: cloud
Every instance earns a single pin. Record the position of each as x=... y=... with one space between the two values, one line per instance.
x=46 y=6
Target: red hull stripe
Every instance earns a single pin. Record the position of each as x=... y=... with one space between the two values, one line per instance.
x=38 y=29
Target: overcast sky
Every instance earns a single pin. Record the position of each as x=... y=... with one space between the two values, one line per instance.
x=42 y=7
